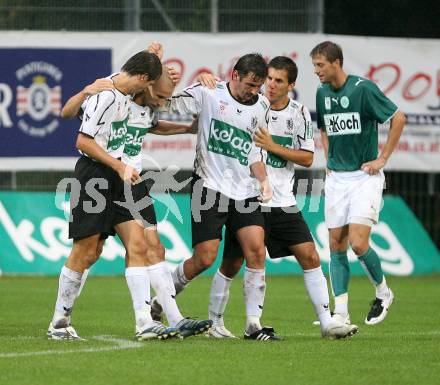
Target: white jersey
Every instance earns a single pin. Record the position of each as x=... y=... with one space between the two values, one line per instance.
x=140 y=120
x=105 y=119
x=225 y=147
x=290 y=127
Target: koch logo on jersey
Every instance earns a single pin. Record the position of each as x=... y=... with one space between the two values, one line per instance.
x=343 y=124
x=38 y=98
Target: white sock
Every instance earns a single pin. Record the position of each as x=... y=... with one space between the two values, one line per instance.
x=68 y=288
x=179 y=279
x=162 y=283
x=254 y=287
x=218 y=297
x=139 y=285
x=382 y=290
x=316 y=286
x=341 y=304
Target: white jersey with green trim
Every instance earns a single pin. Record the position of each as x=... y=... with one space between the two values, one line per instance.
x=225 y=147
x=290 y=127
x=140 y=120
x=104 y=118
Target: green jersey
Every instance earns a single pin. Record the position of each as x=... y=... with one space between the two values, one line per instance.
x=350 y=116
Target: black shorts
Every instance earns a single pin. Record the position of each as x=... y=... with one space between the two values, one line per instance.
x=207 y=222
x=138 y=206
x=282 y=230
x=97 y=212
x=92 y=206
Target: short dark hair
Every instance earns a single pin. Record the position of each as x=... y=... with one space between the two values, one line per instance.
x=251 y=63
x=144 y=63
x=285 y=63
x=330 y=50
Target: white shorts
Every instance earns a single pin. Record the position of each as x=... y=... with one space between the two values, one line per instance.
x=353 y=197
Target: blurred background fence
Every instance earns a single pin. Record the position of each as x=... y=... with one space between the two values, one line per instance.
x=167 y=15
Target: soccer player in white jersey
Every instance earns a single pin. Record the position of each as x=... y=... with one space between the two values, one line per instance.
x=288 y=141
x=348 y=110
x=229 y=178
x=95 y=213
x=142 y=120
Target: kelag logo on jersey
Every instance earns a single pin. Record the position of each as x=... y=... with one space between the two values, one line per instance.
x=230 y=141
x=133 y=140
x=343 y=124
x=34 y=85
x=274 y=160
x=117 y=134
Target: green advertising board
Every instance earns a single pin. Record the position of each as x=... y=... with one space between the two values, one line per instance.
x=34 y=230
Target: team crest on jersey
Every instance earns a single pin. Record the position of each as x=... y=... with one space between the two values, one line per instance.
x=289 y=124
x=38 y=98
x=345 y=101
x=254 y=122
x=328 y=103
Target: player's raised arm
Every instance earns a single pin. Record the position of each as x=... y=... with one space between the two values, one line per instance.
x=73 y=105
x=156 y=48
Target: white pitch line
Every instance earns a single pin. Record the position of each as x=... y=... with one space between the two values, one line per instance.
x=370 y=333
x=121 y=344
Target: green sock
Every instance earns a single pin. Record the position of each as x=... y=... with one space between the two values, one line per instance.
x=371 y=263
x=339 y=272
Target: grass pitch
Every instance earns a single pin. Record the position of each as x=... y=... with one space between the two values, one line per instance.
x=404 y=349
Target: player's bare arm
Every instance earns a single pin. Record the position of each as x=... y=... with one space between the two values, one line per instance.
x=258 y=169
x=88 y=145
x=73 y=105
x=164 y=127
x=264 y=140
x=324 y=140
x=396 y=128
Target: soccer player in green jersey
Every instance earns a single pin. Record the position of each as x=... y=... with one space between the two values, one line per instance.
x=349 y=109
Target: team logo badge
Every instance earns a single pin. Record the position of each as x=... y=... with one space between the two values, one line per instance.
x=328 y=103
x=38 y=98
x=345 y=101
x=254 y=122
x=289 y=124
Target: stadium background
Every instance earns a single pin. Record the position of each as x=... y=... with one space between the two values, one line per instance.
x=56 y=53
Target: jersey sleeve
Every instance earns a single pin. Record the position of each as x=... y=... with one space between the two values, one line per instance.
x=97 y=113
x=319 y=111
x=82 y=109
x=257 y=154
x=377 y=105
x=305 y=131
x=188 y=101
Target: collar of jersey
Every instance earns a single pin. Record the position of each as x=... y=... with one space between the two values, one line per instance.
x=253 y=100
